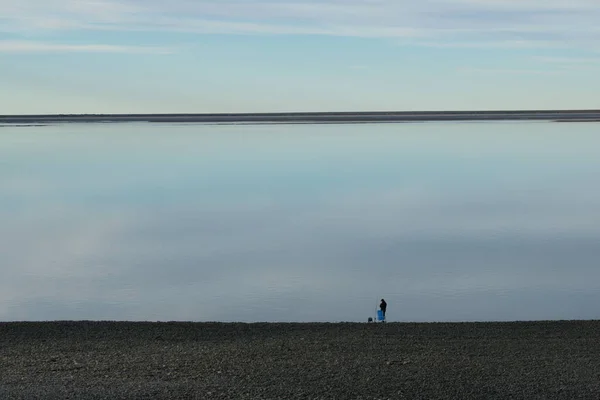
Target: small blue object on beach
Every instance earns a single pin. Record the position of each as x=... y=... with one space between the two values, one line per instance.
x=380 y=316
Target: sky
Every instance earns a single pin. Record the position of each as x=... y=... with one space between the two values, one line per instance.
x=197 y=56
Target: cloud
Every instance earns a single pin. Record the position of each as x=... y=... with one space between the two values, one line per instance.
x=25 y=46
x=568 y=60
x=535 y=22
x=570 y=63
x=495 y=44
x=508 y=71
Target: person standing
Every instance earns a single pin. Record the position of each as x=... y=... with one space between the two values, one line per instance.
x=383 y=307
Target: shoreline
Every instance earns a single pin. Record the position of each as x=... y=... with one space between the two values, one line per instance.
x=311 y=118
x=211 y=360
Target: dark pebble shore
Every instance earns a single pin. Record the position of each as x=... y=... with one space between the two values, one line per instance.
x=178 y=360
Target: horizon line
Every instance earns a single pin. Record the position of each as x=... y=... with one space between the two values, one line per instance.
x=308 y=113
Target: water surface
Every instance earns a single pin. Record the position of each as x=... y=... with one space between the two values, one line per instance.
x=446 y=221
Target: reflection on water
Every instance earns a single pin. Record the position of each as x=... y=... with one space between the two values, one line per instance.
x=300 y=223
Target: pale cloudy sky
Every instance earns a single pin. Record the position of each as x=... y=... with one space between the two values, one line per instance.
x=120 y=56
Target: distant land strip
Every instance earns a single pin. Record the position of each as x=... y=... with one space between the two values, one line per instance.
x=314 y=117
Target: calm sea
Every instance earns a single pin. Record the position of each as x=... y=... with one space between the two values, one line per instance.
x=446 y=221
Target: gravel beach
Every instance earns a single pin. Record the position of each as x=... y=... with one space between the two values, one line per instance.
x=138 y=360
